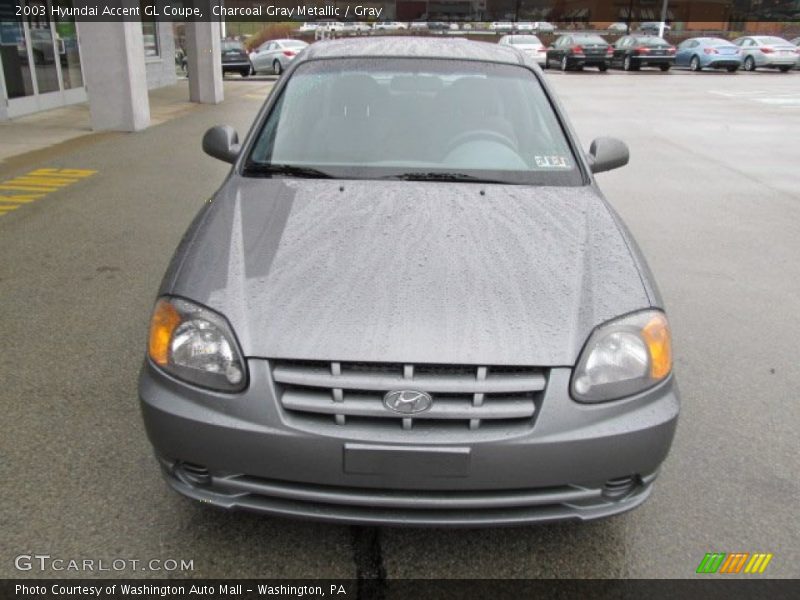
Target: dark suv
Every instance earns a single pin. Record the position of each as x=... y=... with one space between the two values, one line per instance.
x=235 y=58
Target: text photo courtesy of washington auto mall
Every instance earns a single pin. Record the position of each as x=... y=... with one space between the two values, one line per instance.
x=402 y=299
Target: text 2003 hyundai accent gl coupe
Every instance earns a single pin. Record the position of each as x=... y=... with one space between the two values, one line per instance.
x=409 y=304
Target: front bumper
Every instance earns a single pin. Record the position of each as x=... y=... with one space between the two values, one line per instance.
x=575 y=461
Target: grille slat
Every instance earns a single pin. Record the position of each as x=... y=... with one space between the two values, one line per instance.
x=351 y=394
x=372 y=406
x=433 y=384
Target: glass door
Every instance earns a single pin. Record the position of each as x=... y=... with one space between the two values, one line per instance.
x=40 y=58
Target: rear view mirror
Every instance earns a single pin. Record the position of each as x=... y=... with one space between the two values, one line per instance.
x=607 y=153
x=222 y=142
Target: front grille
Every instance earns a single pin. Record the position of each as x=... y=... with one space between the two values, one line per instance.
x=464 y=397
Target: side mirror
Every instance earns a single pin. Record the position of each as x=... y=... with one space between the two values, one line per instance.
x=222 y=142
x=607 y=153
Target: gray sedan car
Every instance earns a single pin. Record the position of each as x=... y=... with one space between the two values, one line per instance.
x=410 y=304
x=767 y=51
x=275 y=55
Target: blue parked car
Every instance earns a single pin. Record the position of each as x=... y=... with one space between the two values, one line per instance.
x=703 y=52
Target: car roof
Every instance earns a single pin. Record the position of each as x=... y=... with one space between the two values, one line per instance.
x=413 y=47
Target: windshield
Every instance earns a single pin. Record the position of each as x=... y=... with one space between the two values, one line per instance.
x=771 y=40
x=651 y=41
x=414 y=119
x=589 y=39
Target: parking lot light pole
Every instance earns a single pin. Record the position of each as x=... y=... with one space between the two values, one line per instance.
x=630 y=18
x=663 y=19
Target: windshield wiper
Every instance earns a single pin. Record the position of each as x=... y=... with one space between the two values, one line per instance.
x=289 y=170
x=425 y=176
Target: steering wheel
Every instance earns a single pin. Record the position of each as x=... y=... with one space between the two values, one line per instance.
x=480 y=134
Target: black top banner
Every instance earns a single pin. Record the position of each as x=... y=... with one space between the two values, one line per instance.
x=560 y=12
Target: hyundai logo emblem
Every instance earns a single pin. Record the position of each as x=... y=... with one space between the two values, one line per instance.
x=407 y=402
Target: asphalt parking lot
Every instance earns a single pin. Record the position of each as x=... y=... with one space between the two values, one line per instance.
x=712 y=194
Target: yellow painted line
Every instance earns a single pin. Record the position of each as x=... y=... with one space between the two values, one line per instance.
x=20 y=198
x=74 y=172
x=38 y=183
x=68 y=172
x=48 y=181
x=27 y=188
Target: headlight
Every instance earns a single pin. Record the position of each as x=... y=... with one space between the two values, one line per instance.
x=195 y=344
x=624 y=357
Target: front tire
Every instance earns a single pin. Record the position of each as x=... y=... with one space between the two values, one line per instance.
x=277 y=67
x=785 y=68
x=749 y=64
x=694 y=64
x=603 y=68
x=665 y=68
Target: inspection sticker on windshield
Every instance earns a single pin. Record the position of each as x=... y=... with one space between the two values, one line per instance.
x=551 y=162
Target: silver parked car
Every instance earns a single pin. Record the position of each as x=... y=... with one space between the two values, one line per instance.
x=529 y=44
x=409 y=303
x=275 y=55
x=766 y=51
x=796 y=42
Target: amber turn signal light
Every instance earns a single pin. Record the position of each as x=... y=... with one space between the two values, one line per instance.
x=163 y=322
x=657 y=336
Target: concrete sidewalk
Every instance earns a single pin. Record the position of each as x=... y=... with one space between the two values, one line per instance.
x=64 y=129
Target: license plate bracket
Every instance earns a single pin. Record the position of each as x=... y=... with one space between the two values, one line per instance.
x=406 y=461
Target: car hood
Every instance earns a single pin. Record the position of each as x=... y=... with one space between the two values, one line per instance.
x=408 y=271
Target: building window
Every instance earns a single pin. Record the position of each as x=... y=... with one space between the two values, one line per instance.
x=149 y=32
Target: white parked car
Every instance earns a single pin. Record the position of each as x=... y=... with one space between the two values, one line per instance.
x=307 y=28
x=766 y=51
x=529 y=44
x=502 y=26
x=796 y=42
x=390 y=26
x=330 y=26
x=356 y=27
x=275 y=55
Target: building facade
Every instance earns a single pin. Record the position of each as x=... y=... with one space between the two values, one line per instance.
x=41 y=58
